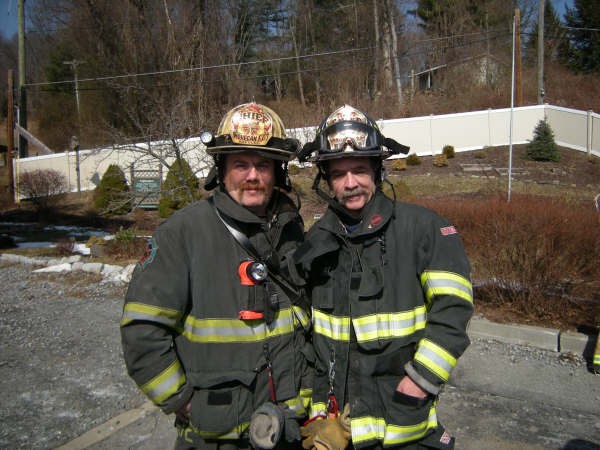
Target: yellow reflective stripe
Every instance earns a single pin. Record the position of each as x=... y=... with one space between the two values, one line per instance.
x=236 y=330
x=234 y=433
x=371 y=428
x=139 y=311
x=166 y=384
x=301 y=316
x=333 y=327
x=296 y=404
x=597 y=358
x=306 y=395
x=371 y=327
x=318 y=409
x=389 y=325
x=446 y=283
x=436 y=359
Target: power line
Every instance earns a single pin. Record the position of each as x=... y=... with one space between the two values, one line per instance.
x=193 y=69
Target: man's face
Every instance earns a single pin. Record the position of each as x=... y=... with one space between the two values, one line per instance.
x=352 y=182
x=249 y=179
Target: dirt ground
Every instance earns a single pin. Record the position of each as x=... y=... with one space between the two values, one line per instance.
x=575 y=168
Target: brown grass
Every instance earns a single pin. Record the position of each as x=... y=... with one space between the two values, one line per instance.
x=534 y=259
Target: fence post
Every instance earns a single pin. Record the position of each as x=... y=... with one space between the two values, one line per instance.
x=588 y=143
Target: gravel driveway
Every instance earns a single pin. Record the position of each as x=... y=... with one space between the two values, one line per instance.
x=62 y=374
x=61 y=368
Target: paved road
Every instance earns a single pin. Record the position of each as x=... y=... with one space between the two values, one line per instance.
x=513 y=397
x=501 y=397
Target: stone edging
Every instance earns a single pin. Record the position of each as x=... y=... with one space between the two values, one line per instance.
x=110 y=272
x=544 y=338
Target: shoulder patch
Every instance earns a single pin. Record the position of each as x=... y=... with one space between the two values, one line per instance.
x=150 y=253
x=446 y=231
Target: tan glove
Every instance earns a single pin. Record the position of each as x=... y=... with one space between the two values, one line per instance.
x=328 y=434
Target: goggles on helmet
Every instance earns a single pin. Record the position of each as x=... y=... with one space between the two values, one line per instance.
x=343 y=139
x=349 y=136
x=349 y=132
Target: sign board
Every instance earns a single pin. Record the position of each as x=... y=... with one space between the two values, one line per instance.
x=146 y=192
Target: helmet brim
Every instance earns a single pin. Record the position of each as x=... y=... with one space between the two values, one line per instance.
x=351 y=154
x=268 y=152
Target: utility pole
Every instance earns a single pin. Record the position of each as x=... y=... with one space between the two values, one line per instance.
x=75 y=139
x=518 y=79
x=540 y=50
x=10 y=130
x=22 y=93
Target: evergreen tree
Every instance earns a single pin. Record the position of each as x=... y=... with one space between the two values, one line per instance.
x=583 y=21
x=556 y=43
x=111 y=196
x=179 y=189
x=542 y=147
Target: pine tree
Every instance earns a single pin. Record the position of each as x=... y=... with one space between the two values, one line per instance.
x=584 y=22
x=556 y=43
x=543 y=147
x=111 y=196
x=179 y=189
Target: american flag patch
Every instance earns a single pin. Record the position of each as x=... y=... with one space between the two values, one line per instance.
x=446 y=231
x=445 y=439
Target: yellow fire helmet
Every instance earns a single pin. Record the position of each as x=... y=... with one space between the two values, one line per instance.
x=252 y=126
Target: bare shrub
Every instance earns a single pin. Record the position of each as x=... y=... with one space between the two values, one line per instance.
x=43 y=187
x=126 y=246
x=534 y=256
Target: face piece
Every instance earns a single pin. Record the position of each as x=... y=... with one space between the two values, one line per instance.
x=249 y=179
x=352 y=181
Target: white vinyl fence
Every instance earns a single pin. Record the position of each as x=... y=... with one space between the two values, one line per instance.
x=578 y=130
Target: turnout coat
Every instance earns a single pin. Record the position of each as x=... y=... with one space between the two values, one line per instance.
x=391 y=298
x=182 y=336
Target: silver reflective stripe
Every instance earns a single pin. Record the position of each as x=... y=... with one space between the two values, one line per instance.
x=336 y=328
x=435 y=358
x=139 y=311
x=166 y=384
x=446 y=283
x=236 y=330
x=389 y=325
x=367 y=429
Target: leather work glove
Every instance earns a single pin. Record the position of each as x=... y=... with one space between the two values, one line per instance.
x=328 y=434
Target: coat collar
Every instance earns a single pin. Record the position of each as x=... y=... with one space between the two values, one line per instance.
x=377 y=214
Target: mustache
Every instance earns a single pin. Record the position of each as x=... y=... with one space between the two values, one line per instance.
x=252 y=186
x=347 y=194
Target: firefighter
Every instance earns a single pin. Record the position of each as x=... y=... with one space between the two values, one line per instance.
x=391 y=298
x=212 y=330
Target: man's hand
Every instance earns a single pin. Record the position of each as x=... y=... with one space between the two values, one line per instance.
x=409 y=387
x=183 y=413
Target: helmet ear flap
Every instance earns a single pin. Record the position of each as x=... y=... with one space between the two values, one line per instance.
x=282 y=178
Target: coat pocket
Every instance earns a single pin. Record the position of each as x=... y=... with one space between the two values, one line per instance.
x=401 y=409
x=219 y=411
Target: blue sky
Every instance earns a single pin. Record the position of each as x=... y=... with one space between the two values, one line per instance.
x=8 y=14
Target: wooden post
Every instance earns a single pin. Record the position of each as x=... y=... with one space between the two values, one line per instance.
x=10 y=130
x=518 y=77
